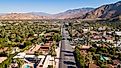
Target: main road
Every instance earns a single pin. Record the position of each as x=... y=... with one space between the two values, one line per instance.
x=66 y=53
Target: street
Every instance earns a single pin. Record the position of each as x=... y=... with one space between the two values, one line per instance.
x=66 y=55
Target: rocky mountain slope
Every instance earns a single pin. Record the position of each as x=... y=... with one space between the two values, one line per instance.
x=72 y=13
x=105 y=11
x=40 y=15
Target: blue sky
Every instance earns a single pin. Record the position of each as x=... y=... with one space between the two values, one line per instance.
x=48 y=6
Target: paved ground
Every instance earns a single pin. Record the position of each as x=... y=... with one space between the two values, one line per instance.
x=66 y=55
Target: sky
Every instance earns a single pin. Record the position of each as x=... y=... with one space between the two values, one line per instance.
x=49 y=6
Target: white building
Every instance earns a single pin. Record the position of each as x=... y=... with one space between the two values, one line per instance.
x=20 y=55
x=45 y=61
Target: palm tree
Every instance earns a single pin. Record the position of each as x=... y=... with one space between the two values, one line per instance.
x=88 y=37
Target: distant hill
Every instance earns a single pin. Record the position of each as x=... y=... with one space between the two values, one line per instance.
x=64 y=15
x=19 y=16
x=2 y=13
x=72 y=13
x=106 y=11
x=109 y=11
x=41 y=15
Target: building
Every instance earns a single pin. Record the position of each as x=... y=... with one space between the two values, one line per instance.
x=2 y=59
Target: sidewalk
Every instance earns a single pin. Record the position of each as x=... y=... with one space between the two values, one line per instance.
x=58 y=55
x=58 y=52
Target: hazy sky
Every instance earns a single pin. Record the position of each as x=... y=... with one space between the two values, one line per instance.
x=49 y=6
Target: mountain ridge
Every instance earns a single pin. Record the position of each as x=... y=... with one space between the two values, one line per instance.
x=72 y=13
x=108 y=11
x=41 y=15
x=105 y=11
x=23 y=16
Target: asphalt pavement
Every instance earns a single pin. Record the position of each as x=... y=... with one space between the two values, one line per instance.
x=66 y=53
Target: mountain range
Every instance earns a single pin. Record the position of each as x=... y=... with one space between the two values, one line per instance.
x=72 y=13
x=19 y=16
x=41 y=15
x=103 y=12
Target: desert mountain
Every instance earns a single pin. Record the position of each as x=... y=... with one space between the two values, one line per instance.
x=40 y=15
x=23 y=16
x=105 y=11
x=72 y=13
